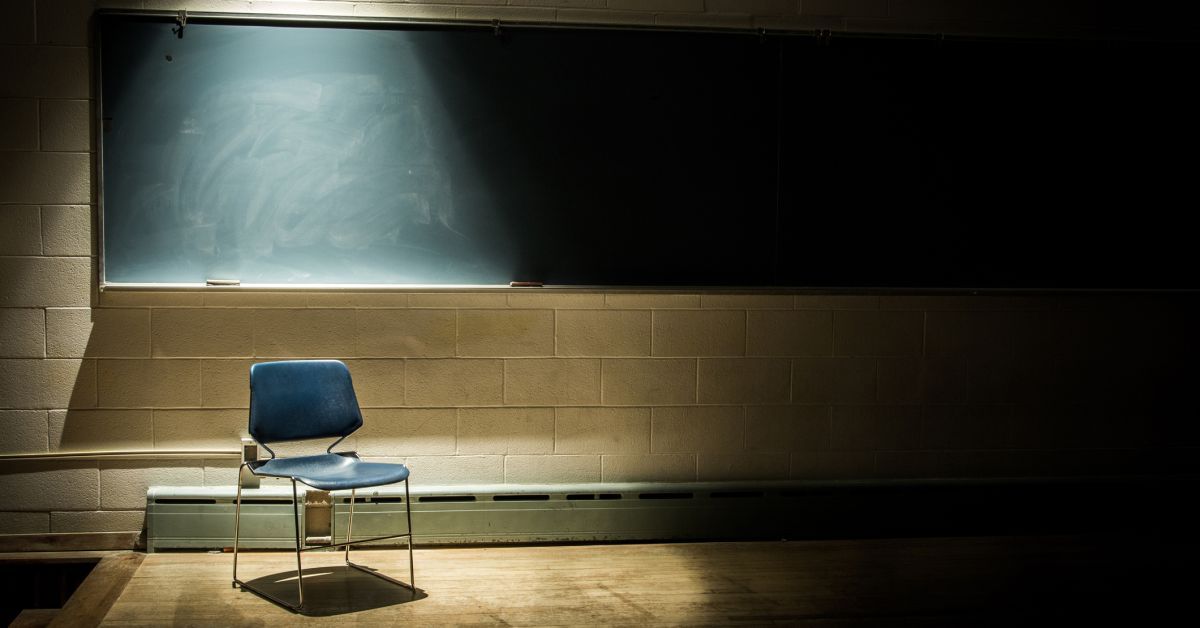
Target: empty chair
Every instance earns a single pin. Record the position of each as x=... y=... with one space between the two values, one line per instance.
x=312 y=399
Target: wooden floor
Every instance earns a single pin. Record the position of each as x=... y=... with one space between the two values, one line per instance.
x=908 y=582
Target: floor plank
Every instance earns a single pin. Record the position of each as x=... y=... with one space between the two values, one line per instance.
x=882 y=582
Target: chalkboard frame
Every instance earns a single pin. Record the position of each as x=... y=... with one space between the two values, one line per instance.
x=166 y=17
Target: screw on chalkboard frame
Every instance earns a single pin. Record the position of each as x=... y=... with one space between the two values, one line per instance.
x=181 y=20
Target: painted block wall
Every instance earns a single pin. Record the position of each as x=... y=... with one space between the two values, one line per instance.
x=544 y=387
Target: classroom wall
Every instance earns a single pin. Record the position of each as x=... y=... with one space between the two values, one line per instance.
x=549 y=386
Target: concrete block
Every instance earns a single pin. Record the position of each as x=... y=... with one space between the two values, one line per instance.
x=24 y=431
x=875 y=427
x=602 y=431
x=17 y=23
x=906 y=464
x=944 y=380
x=844 y=380
x=756 y=7
x=230 y=6
x=20 y=230
x=833 y=465
x=729 y=467
x=98 y=521
x=747 y=301
x=600 y=16
x=450 y=470
x=576 y=4
x=556 y=300
x=970 y=333
x=223 y=472
x=688 y=6
x=100 y=430
x=64 y=22
x=836 y=302
x=845 y=8
x=648 y=468
x=123 y=483
x=378 y=383
x=49 y=178
x=302 y=7
x=505 y=430
x=703 y=20
x=966 y=427
x=200 y=429
x=603 y=333
x=402 y=432
x=45 y=72
x=156 y=383
x=98 y=332
x=977 y=464
x=67 y=230
x=900 y=380
x=551 y=381
x=454 y=382
x=225 y=383
x=744 y=380
x=698 y=333
x=648 y=381
x=202 y=333
x=505 y=333
x=45 y=281
x=708 y=429
x=997 y=380
x=339 y=298
x=66 y=125
x=405 y=333
x=514 y=14
x=879 y=333
x=551 y=469
x=45 y=486
x=787 y=428
x=790 y=333
x=138 y=298
x=24 y=333
x=284 y=333
x=242 y=298
x=44 y=384
x=24 y=523
x=18 y=121
x=378 y=9
x=648 y=301
x=464 y=300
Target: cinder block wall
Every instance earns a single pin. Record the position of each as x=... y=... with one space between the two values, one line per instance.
x=532 y=386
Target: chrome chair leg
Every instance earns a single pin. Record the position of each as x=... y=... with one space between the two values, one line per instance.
x=237 y=524
x=299 y=569
x=412 y=578
x=350 y=526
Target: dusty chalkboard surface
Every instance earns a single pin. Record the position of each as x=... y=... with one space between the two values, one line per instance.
x=306 y=153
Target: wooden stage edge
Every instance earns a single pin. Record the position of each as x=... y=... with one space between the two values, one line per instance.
x=1048 y=580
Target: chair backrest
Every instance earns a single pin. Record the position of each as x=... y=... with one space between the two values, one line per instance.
x=302 y=399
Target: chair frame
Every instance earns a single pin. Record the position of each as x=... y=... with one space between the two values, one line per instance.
x=299 y=607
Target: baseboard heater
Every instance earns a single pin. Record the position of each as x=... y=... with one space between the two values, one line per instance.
x=202 y=517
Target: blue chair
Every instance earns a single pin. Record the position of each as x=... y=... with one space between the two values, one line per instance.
x=311 y=399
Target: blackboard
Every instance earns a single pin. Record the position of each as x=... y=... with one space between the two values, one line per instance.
x=388 y=154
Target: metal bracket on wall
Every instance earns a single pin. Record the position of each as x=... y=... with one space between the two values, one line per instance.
x=181 y=20
x=318 y=517
x=249 y=453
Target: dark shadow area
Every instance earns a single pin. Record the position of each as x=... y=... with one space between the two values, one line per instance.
x=39 y=585
x=334 y=590
x=978 y=581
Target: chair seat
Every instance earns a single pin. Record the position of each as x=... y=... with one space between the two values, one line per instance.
x=331 y=472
